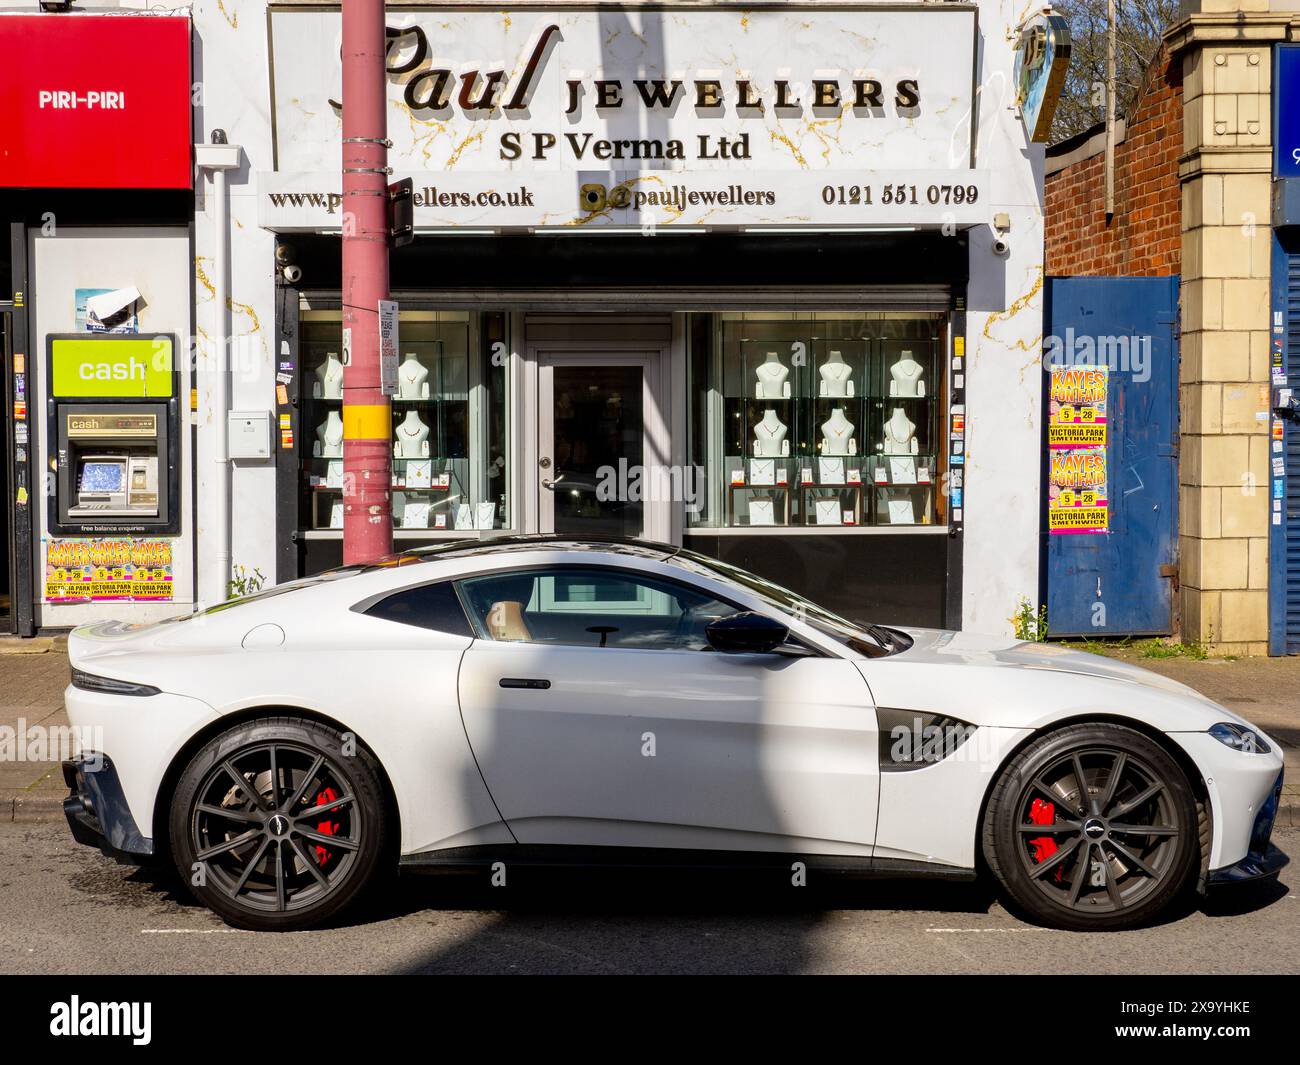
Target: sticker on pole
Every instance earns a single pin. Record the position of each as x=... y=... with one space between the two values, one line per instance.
x=388 y=347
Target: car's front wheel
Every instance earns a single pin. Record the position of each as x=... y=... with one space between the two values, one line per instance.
x=278 y=824
x=1093 y=827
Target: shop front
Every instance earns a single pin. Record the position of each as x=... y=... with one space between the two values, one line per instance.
x=95 y=193
x=755 y=282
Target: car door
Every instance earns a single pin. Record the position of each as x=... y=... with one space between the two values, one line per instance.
x=599 y=716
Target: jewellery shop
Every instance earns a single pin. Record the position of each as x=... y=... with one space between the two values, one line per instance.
x=762 y=282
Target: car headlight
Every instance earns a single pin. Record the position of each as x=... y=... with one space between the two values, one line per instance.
x=109 y=685
x=1239 y=738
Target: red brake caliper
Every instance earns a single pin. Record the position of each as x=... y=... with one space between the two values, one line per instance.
x=325 y=828
x=1043 y=813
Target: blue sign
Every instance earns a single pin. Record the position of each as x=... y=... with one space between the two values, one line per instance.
x=1286 y=112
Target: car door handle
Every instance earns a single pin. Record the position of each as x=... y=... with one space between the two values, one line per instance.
x=524 y=682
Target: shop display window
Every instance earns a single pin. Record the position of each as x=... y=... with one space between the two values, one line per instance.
x=817 y=419
x=449 y=433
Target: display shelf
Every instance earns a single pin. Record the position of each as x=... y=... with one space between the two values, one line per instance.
x=825 y=505
x=430 y=417
x=815 y=388
x=903 y=505
x=759 y=505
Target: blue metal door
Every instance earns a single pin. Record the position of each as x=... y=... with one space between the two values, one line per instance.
x=1121 y=582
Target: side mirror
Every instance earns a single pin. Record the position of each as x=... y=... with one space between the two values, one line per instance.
x=746 y=633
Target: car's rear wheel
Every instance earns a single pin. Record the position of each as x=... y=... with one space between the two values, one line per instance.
x=278 y=824
x=1093 y=827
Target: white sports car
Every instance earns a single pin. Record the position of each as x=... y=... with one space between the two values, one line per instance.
x=540 y=699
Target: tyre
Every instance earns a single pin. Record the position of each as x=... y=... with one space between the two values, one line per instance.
x=1093 y=827
x=279 y=825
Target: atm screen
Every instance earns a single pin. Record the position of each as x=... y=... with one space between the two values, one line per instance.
x=102 y=477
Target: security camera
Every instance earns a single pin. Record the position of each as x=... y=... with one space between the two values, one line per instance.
x=1001 y=227
x=292 y=273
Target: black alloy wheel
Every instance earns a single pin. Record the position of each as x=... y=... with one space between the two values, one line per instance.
x=1092 y=827
x=277 y=826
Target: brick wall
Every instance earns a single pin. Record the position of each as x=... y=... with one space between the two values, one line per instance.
x=1143 y=236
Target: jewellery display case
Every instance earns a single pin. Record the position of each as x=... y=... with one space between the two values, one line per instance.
x=759 y=412
x=444 y=403
x=832 y=417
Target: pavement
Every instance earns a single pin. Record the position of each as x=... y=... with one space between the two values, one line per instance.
x=33 y=674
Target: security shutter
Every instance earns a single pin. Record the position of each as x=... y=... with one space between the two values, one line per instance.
x=1286 y=540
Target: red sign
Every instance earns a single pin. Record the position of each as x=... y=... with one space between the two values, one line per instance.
x=95 y=101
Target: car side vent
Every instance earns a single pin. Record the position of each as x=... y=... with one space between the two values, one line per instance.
x=912 y=739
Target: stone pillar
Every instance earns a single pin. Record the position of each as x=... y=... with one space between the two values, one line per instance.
x=1225 y=171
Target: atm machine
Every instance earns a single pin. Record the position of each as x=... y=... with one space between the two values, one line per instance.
x=113 y=427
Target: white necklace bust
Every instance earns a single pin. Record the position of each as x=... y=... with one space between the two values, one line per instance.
x=836 y=375
x=329 y=378
x=412 y=378
x=900 y=434
x=412 y=437
x=837 y=435
x=769 y=436
x=906 y=377
x=771 y=374
x=329 y=437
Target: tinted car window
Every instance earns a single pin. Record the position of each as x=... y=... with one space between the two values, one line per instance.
x=592 y=607
x=430 y=606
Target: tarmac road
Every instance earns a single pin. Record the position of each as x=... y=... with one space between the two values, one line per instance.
x=66 y=909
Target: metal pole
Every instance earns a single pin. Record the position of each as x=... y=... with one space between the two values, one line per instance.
x=218 y=157
x=220 y=584
x=1110 y=108
x=367 y=415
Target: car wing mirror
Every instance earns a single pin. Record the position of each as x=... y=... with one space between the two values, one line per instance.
x=746 y=633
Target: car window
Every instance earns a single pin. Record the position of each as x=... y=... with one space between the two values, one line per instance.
x=873 y=641
x=589 y=606
x=428 y=606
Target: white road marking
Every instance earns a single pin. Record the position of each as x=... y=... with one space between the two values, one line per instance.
x=188 y=931
x=974 y=931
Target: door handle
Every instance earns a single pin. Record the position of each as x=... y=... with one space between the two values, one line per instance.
x=524 y=682
x=550 y=485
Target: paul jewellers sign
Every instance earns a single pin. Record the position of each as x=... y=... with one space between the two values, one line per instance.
x=675 y=116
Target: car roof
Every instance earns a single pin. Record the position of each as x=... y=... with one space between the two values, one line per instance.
x=495 y=545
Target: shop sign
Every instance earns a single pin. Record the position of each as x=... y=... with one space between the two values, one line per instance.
x=111 y=367
x=682 y=116
x=1076 y=435
x=1286 y=111
x=108 y=569
x=1042 y=59
x=95 y=101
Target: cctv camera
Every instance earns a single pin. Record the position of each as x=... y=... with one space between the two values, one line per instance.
x=1000 y=246
x=292 y=273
